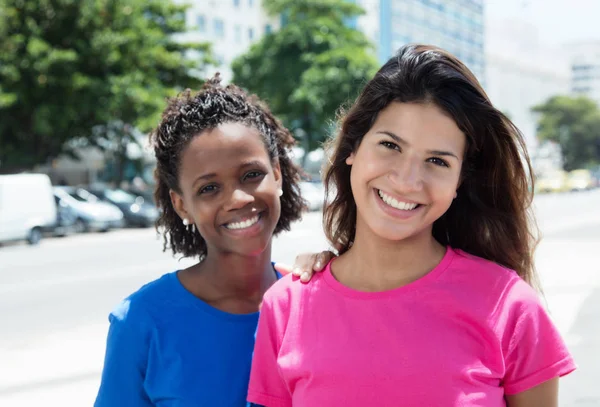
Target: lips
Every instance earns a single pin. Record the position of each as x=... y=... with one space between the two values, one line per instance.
x=243 y=224
x=395 y=203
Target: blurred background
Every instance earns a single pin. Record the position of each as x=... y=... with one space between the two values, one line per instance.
x=82 y=82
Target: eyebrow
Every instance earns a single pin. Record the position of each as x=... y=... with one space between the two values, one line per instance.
x=204 y=177
x=400 y=140
x=254 y=163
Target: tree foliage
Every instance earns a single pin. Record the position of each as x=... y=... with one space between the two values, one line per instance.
x=312 y=65
x=573 y=123
x=70 y=66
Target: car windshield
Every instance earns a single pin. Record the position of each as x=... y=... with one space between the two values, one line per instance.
x=119 y=196
x=82 y=197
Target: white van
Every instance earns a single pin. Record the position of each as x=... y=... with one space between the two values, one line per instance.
x=27 y=207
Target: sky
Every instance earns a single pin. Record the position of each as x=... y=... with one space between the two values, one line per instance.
x=559 y=22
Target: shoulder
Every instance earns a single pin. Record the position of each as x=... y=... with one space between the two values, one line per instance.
x=484 y=267
x=485 y=285
x=503 y=286
x=289 y=291
x=139 y=305
x=283 y=289
x=484 y=275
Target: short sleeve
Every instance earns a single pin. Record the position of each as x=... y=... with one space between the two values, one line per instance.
x=125 y=361
x=534 y=351
x=267 y=387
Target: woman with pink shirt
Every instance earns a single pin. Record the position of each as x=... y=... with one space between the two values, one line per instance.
x=432 y=301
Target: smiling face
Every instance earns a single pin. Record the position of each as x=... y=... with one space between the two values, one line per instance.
x=406 y=171
x=229 y=189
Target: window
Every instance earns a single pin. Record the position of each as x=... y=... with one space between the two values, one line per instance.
x=238 y=33
x=236 y=3
x=268 y=29
x=250 y=3
x=219 y=27
x=250 y=34
x=201 y=23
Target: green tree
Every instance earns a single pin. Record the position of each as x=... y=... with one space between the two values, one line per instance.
x=574 y=123
x=70 y=68
x=311 y=66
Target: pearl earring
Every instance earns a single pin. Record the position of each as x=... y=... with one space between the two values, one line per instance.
x=280 y=192
x=187 y=223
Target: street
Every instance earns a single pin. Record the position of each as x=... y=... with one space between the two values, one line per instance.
x=55 y=299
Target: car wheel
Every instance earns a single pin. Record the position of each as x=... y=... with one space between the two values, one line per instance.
x=80 y=226
x=34 y=237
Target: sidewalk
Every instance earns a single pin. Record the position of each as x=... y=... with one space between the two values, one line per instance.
x=62 y=369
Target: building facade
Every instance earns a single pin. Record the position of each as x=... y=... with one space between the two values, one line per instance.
x=521 y=73
x=585 y=69
x=231 y=26
x=456 y=25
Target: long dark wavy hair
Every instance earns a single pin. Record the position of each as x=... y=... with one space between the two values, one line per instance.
x=186 y=117
x=491 y=216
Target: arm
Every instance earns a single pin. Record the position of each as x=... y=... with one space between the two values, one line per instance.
x=535 y=355
x=267 y=387
x=125 y=361
x=543 y=395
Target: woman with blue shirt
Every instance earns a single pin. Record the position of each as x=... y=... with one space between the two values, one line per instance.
x=226 y=185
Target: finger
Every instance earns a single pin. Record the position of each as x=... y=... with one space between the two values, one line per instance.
x=304 y=262
x=306 y=276
x=323 y=259
x=319 y=262
x=283 y=269
x=338 y=246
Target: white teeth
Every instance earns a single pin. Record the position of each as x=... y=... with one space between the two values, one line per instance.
x=242 y=225
x=405 y=206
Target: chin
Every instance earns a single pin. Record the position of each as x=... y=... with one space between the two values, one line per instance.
x=251 y=248
x=397 y=233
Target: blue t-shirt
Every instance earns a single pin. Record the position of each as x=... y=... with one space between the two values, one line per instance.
x=168 y=348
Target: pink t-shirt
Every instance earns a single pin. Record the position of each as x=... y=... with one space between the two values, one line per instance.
x=465 y=334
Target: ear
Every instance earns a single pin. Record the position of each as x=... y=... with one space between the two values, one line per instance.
x=178 y=205
x=277 y=174
x=350 y=159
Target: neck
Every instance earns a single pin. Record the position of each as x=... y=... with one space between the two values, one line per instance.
x=377 y=264
x=233 y=275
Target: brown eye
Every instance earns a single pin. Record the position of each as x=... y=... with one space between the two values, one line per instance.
x=438 y=161
x=207 y=189
x=390 y=145
x=253 y=174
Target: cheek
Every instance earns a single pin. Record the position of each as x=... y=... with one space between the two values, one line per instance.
x=204 y=213
x=368 y=165
x=443 y=187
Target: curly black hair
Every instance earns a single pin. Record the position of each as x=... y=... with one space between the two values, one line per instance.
x=188 y=115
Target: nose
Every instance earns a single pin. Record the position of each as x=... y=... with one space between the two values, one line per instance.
x=407 y=175
x=238 y=199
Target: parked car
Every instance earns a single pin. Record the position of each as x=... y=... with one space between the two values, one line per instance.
x=555 y=181
x=92 y=214
x=136 y=210
x=596 y=176
x=314 y=194
x=580 y=180
x=66 y=219
x=26 y=207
